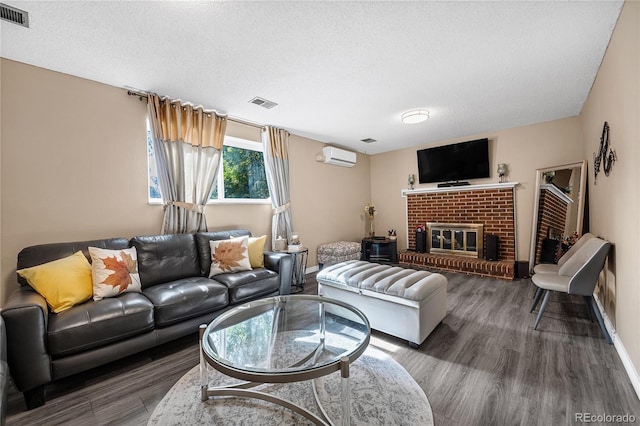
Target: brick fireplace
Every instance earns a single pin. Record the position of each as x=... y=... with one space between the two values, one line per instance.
x=552 y=215
x=491 y=205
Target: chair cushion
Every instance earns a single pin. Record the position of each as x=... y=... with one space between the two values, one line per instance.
x=574 y=248
x=186 y=298
x=246 y=285
x=581 y=257
x=98 y=323
x=546 y=268
x=552 y=281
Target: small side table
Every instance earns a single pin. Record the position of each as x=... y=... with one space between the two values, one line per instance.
x=379 y=250
x=300 y=257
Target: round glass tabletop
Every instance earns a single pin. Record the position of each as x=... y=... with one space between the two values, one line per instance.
x=285 y=338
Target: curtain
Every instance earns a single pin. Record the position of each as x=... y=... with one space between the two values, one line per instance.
x=187 y=142
x=276 y=162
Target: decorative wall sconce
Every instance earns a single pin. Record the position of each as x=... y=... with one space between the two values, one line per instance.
x=606 y=155
x=411 y=180
x=502 y=172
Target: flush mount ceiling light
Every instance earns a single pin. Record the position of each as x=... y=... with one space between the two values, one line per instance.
x=415 y=116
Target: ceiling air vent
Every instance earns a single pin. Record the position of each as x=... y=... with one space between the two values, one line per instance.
x=262 y=102
x=11 y=14
x=368 y=140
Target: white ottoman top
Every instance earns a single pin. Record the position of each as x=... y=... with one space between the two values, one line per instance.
x=406 y=283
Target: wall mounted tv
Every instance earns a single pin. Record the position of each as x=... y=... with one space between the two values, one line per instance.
x=454 y=163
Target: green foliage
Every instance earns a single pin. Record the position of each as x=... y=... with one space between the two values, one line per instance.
x=244 y=175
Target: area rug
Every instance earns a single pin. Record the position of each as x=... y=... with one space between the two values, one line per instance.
x=382 y=393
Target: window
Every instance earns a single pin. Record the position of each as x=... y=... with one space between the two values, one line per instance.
x=241 y=177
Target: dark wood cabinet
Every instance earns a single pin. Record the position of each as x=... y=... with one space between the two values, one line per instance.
x=379 y=250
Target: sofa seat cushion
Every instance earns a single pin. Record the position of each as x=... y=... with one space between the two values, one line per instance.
x=246 y=285
x=186 y=298
x=97 y=323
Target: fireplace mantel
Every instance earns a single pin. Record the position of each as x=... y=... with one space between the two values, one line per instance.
x=504 y=185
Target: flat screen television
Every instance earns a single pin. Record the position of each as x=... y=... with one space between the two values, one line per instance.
x=454 y=163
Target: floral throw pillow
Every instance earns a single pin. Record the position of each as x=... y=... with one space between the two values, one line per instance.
x=229 y=256
x=114 y=272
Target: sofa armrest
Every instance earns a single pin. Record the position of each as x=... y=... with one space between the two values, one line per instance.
x=25 y=315
x=282 y=263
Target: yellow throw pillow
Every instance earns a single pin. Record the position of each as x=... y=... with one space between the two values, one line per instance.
x=256 y=251
x=63 y=283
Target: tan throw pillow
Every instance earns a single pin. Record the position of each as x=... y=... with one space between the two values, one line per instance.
x=229 y=256
x=114 y=272
x=63 y=283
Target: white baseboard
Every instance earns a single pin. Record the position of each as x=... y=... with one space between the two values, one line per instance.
x=622 y=352
x=311 y=269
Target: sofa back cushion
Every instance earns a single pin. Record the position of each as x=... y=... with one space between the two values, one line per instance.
x=43 y=253
x=164 y=258
x=204 y=250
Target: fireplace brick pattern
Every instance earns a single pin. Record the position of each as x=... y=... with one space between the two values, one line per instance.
x=493 y=208
x=552 y=213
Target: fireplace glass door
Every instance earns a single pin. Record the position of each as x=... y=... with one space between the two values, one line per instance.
x=458 y=239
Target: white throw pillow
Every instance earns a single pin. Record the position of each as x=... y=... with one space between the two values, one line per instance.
x=229 y=256
x=114 y=272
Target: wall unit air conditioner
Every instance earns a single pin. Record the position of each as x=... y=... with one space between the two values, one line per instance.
x=339 y=157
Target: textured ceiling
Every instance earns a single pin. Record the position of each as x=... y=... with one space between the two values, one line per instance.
x=339 y=71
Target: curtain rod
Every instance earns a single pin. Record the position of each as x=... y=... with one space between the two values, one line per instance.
x=143 y=96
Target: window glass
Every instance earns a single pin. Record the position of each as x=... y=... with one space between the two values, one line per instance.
x=244 y=175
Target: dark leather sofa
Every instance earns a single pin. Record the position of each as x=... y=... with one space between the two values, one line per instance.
x=177 y=296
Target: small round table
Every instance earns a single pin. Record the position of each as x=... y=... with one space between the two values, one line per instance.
x=284 y=339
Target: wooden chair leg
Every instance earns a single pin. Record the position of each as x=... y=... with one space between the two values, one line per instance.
x=547 y=293
x=600 y=320
x=536 y=299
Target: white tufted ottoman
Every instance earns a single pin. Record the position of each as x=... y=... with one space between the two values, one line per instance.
x=405 y=303
x=340 y=251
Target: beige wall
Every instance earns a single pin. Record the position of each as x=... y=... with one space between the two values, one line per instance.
x=327 y=201
x=523 y=149
x=74 y=166
x=614 y=201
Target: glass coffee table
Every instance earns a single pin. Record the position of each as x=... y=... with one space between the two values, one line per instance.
x=284 y=339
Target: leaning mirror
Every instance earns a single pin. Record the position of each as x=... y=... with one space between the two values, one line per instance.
x=558 y=209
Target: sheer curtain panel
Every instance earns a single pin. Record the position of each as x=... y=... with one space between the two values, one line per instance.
x=276 y=161
x=188 y=142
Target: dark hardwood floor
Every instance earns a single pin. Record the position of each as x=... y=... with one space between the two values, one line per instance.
x=484 y=365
